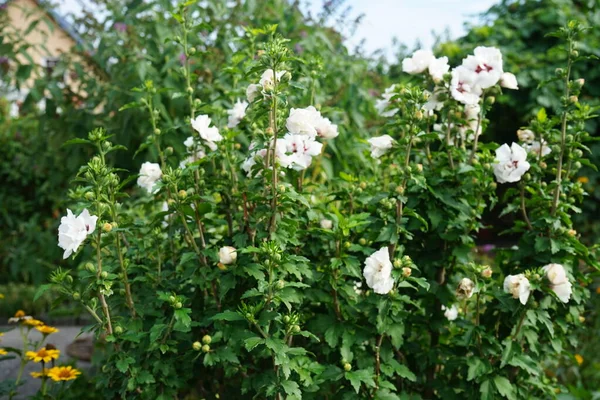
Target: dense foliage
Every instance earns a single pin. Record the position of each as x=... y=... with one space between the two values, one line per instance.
x=264 y=253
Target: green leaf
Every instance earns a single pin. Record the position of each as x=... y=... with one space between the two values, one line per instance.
x=356 y=378
x=404 y=372
x=477 y=368
x=396 y=334
x=251 y=342
x=183 y=319
x=504 y=387
x=542 y=116
x=227 y=316
x=41 y=290
x=291 y=388
x=76 y=141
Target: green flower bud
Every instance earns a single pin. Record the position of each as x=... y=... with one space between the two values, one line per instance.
x=190 y=90
x=118 y=329
x=90 y=267
x=296 y=328
x=280 y=284
x=192 y=50
x=347 y=367
x=76 y=296
x=362 y=241
x=205 y=348
x=106 y=227
x=206 y=339
x=197 y=346
x=169 y=151
x=178 y=305
x=89 y=196
x=172 y=299
x=69 y=278
x=157 y=132
x=104 y=274
x=286 y=319
x=182 y=194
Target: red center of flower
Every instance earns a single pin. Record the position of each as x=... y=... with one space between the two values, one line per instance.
x=515 y=163
x=485 y=68
x=87 y=227
x=460 y=87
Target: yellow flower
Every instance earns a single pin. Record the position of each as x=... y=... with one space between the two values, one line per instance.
x=63 y=373
x=43 y=355
x=583 y=179
x=579 y=359
x=44 y=372
x=3 y=352
x=32 y=322
x=46 y=330
x=20 y=314
x=1 y=296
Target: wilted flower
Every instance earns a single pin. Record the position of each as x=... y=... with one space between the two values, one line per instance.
x=438 y=68
x=378 y=271
x=237 y=113
x=227 y=255
x=150 y=173
x=559 y=283
x=537 y=148
x=210 y=134
x=525 y=135
x=252 y=92
x=73 y=230
x=518 y=286
x=419 y=62
x=511 y=163
x=463 y=86
x=326 y=224
x=357 y=288
x=486 y=63
x=450 y=313
x=380 y=145
x=509 y=81
x=382 y=104
x=465 y=288
x=266 y=80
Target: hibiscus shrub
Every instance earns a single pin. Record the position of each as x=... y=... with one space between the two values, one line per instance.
x=241 y=269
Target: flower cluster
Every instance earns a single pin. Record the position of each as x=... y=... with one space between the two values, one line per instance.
x=299 y=145
x=520 y=287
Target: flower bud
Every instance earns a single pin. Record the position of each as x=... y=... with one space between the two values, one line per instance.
x=76 y=296
x=572 y=232
x=296 y=328
x=486 y=273
x=559 y=71
x=286 y=319
x=104 y=274
x=89 y=196
x=490 y=100
x=157 y=132
x=581 y=319
x=543 y=165
x=90 y=267
x=400 y=189
x=197 y=346
x=197 y=102
x=269 y=131
x=118 y=329
x=280 y=284
x=206 y=339
x=347 y=367
x=106 y=227
x=574 y=53
x=363 y=185
x=192 y=51
x=190 y=90
x=419 y=115
x=406 y=271
x=580 y=82
x=169 y=151
x=182 y=194
x=178 y=305
x=205 y=348
x=406 y=261
x=347 y=245
x=172 y=299
x=398 y=263
x=281 y=188
x=573 y=99
x=419 y=167
x=362 y=241
x=69 y=279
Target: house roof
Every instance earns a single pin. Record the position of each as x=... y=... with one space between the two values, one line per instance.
x=57 y=18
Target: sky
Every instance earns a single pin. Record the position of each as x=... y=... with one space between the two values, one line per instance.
x=408 y=20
